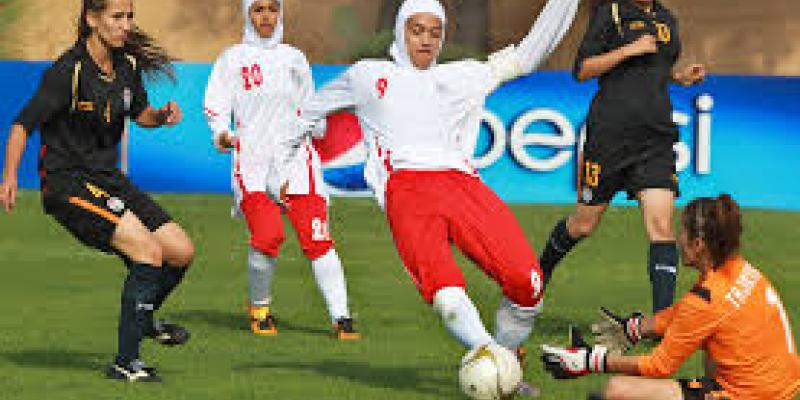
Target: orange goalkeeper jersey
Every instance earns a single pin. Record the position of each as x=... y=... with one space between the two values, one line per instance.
x=736 y=316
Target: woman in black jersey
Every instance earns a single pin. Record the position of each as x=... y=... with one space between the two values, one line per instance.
x=632 y=46
x=80 y=108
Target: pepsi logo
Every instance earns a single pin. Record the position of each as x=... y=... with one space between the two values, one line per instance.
x=343 y=153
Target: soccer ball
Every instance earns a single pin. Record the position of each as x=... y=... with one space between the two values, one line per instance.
x=490 y=372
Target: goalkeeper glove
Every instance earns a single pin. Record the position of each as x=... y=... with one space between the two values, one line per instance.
x=618 y=334
x=577 y=360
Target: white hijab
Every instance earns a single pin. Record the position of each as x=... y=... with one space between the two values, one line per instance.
x=251 y=35
x=398 y=49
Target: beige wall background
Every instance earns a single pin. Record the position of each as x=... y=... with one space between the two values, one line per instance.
x=731 y=36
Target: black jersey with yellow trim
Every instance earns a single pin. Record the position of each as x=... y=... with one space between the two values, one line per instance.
x=80 y=111
x=635 y=93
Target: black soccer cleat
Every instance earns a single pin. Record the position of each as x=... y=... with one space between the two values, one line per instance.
x=169 y=334
x=134 y=371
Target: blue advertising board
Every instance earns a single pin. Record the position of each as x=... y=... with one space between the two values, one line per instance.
x=738 y=135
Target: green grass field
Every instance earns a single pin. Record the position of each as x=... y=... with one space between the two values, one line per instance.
x=59 y=304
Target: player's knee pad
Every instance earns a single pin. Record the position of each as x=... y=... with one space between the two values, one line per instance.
x=525 y=290
x=267 y=244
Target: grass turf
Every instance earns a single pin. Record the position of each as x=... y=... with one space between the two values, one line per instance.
x=59 y=303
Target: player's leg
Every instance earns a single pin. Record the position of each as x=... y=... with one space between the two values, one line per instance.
x=264 y=223
x=140 y=292
x=178 y=253
x=654 y=184
x=420 y=234
x=486 y=230
x=567 y=233
x=657 y=208
x=598 y=181
x=638 y=388
x=89 y=207
x=176 y=248
x=309 y=216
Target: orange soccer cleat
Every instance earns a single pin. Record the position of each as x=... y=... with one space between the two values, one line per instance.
x=261 y=321
x=343 y=330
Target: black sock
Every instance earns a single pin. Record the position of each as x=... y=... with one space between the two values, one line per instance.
x=139 y=293
x=170 y=278
x=558 y=245
x=663 y=268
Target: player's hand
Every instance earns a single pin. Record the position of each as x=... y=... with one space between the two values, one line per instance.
x=693 y=74
x=224 y=142
x=8 y=194
x=575 y=361
x=618 y=334
x=170 y=114
x=646 y=44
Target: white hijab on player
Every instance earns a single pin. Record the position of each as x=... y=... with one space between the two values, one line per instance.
x=251 y=35
x=398 y=49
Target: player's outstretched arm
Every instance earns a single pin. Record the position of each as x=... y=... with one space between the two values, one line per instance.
x=15 y=146
x=546 y=33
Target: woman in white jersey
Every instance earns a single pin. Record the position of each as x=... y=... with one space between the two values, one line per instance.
x=260 y=84
x=421 y=119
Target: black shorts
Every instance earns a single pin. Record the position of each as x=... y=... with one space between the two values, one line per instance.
x=609 y=167
x=702 y=389
x=90 y=204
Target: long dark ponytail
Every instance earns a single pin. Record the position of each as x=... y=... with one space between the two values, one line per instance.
x=150 y=57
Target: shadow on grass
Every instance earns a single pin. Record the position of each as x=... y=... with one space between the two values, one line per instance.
x=238 y=321
x=219 y=319
x=556 y=325
x=418 y=378
x=58 y=359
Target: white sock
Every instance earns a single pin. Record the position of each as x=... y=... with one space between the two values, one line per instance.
x=514 y=323
x=330 y=280
x=460 y=317
x=260 y=268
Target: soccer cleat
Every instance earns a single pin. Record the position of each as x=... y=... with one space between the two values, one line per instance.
x=343 y=330
x=134 y=371
x=169 y=334
x=261 y=321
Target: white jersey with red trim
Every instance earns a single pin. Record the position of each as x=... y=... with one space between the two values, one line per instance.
x=260 y=90
x=429 y=119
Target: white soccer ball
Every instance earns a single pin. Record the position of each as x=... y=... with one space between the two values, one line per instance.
x=490 y=372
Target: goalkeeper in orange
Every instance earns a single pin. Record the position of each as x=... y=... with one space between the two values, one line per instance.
x=732 y=313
